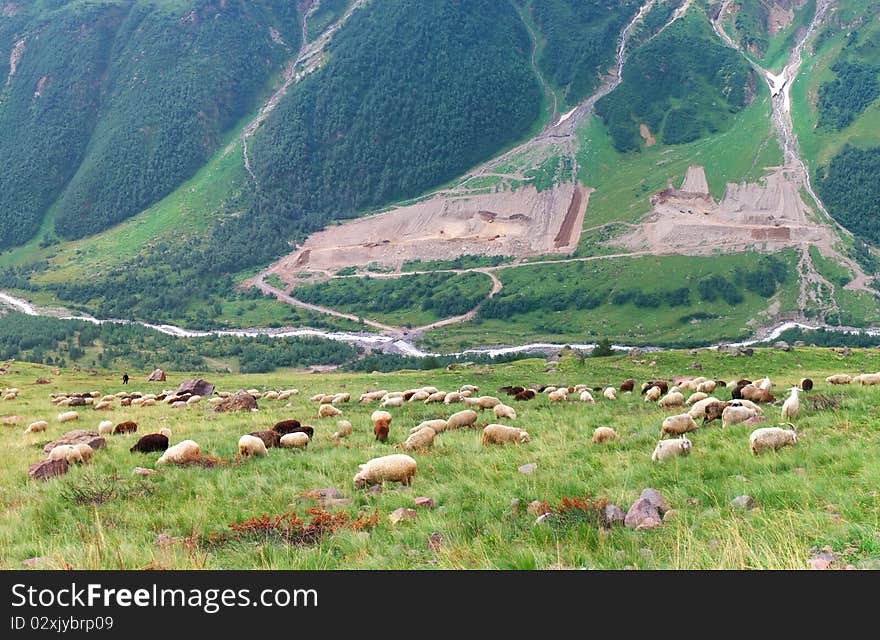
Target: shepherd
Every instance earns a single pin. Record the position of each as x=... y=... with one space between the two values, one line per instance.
x=124 y=378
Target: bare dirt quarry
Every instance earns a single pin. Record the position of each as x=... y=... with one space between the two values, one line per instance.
x=520 y=223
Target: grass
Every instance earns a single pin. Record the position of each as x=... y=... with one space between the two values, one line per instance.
x=100 y=516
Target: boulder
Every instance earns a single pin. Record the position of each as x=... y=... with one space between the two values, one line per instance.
x=781 y=345
x=643 y=513
x=241 y=401
x=77 y=436
x=43 y=381
x=614 y=514
x=46 y=469
x=654 y=497
x=198 y=387
x=402 y=514
x=743 y=502
x=157 y=376
x=424 y=502
x=527 y=469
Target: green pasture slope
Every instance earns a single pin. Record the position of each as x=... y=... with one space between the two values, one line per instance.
x=821 y=492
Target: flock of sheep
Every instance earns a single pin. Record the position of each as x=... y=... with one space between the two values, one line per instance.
x=743 y=407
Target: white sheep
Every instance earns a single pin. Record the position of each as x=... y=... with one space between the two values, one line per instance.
x=501 y=434
x=165 y=431
x=328 y=411
x=671 y=400
x=421 y=439
x=868 y=379
x=610 y=393
x=461 y=419
x=735 y=415
x=194 y=399
x=343 y=430
x=668 y=449
x=437 y=396
x=483 y=402
x=764 y=384
x=451 y=397
x=839 y=378
x=792 y=405
x=249 y=445
x=698 y=409
x=503 y=411
x=396 y=401
x=372 y=396
x=297 y=440
x=438 y=426
x=707 y=386
x=678 y=425
x=68 y=416
x=39 y=425
x=604 y=434
x=742 y=402
x=396 y=467
x=181 y=453
x=560 y=395
x=468 y=387
x=768 y=438
x=341 y=397
x=652 y=394
x=105 y=427
x=696 y=397
x=587 y=397
x=419 y=396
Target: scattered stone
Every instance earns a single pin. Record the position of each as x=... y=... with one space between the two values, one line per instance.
x=197 y=387
x=374 y=490
x=635 y=352
x=845 y=351
x=695 y=365
x=241 y=401
x=157 y=376
x=735 y=350
x=614 y=514
x=424 y=502
x=781 y=345
x=821 y=561
x=402 y=513
x=654 y=497
x=529 y=468
x=642 y=511
x=141 y=471
x=46 y=469
x=800 y=343
x=77 y=436
x=435 y=541
x=337 y=502
x=745 y=503
x=43 y=381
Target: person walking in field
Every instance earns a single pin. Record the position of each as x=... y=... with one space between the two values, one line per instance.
x=124 y=378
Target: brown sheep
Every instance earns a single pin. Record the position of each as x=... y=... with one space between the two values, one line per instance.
x=270 y=438
x=150 y=442
x=628 y=385
x=714 y=411
x=662 y=384
x=286 y=426
x=125 y=427
x=526 y=394
x=381 y=423
x=755 y=394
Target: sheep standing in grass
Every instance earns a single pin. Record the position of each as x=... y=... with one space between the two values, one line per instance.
x=343 y=430
x=714 y=410
x=39 y=425
x=868 y=379
x=421 y=439
x=269 y=437
x=328 y=411
x=396 y=401
x=249 y=445
x=439 y=396
x=483 y=402
x=668 y=449
x=707 y=386
x=587 y=397
x=438 y=425
x=698 y=409
x=125 y=427
x=771 y=438
x=150 y=443
x=696 y=397
x=501 y=434
x=652 y=394
x=85 y=451
x=560 y=395
x=451 y=397
x=72 y=453
x=68 y=416
x=610 y=393
x=297 y=440
x=604 y=434
x=372 y=396
x=735 y=415
x=503 y=411
x=181 y=453
x=105 y=427
x=461 y=419
x=678 y=425
x=792 y=405
x=397 y=467
x=671 y=399
x=839 y=378
x=381 y=424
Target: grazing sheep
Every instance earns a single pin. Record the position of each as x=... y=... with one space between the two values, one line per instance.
x=249 y=445
x=707 y=386
x=756 y=394
x=125 y=427
x=735 y=415
x=662 y=384
x=652 y=394
x=525 y=394
x=343 y=430
x=668 y=449
x=839 y=378
x=764 y=384
x=328 y=411
x=181 y=453
x=469 y=387
x=696 y=397
x=372 y=396
x=452 y=396
x=604 y=434
x=806 y=384
x=397 y=467
x=628 y=385
x=671 y=400
x=105 y=427
x=868 y=379
x=767 y=438
x=298 y=440
x=270 y=438
x=68 y=416
x=39 y=425
x=792 y=405
x=461 y=419
x=286 y=426
x=421 y=439
x=559 y=395
x=677 y=425
x=150 y=442
x=501 y=434
x=439 y=426
x=72 y=453
x=483 y=402
x=610 y=393
x=85 y=451
x=698 y=409
x=381 y=423
x=439 y=396
x=271 y=395
x=419 y=396
x=587 y=397
x=165 y=431
x=396 y=401
x=503 y=411
x=194 y=400
x=103 y=406
x=714 y=410
x=339 y=397
x=742 y=402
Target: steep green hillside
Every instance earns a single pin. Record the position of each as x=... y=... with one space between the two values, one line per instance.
x=767 y=29
x=413 y=94
x=579 y=41
x=683 y=85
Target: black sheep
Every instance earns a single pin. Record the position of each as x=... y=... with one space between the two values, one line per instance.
x=150 y=442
